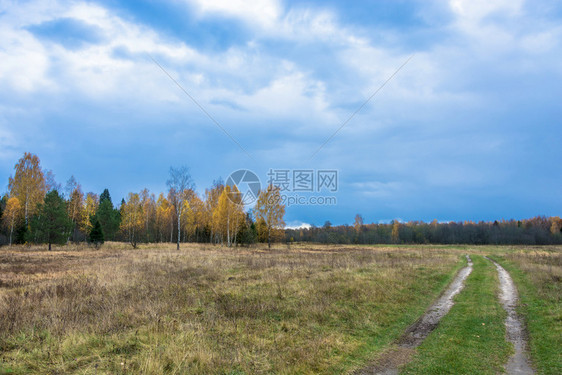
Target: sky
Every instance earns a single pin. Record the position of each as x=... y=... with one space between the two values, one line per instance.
x=470 y=128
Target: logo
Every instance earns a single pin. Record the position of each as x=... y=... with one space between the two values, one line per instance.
x=247 y=183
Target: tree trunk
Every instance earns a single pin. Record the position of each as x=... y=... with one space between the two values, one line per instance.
x=11 y=233
x=269 y=238
x=26 y=204
x=228 y=229
x=179 y=217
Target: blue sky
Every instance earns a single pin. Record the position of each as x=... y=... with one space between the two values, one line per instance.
x=469 y=129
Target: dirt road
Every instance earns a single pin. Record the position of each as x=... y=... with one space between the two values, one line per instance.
x=518 y=364
x=391 y=360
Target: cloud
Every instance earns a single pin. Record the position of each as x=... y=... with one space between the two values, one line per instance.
x=480 y=87
x=297 y=225
x=262 y=13
x=475 y=11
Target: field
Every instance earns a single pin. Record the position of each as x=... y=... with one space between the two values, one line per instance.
x=300 y=310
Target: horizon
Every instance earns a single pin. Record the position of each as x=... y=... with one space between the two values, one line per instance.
x=442 y=110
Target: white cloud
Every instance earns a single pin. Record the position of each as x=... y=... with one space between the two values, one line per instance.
x=23 y=61
x=263 y=13
x=477 y=10
x=298 y=23
x=297 y=225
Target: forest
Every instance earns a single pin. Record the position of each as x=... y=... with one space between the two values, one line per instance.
x=39 y=210
x=539 y=230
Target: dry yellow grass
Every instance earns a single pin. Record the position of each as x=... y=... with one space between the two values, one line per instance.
x=210 y=310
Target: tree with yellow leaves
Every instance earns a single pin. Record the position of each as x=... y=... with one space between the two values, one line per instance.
x=179 y=182
x=28 y=184
x=75 y=205
x=90 y=206
x=395 y=235
x=12 y=215
x=148 y=202
x=229 y=216
x=211 y=203
x=132 y=220
x=270 y=210
x=556 y=225
x=200 y=216
x=193 y=215
x=164 y=220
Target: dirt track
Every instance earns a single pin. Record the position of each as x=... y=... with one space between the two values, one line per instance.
x=518 y=363
x=389 y=362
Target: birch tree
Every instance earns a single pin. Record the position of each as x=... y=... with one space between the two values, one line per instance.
x=132 y=221
x=28 y=184
x=179 y=182
x=164 y=222
x=270 y=211
x=75 y=207
x=88 y=211
x=12 y=215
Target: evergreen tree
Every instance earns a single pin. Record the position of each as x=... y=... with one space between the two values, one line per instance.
x=109 y=218
x=51 y=224
x=3 y=203
x=96 y=234
x=105 y=196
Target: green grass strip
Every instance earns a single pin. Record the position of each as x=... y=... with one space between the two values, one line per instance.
x=471 y=338
x=541 y=310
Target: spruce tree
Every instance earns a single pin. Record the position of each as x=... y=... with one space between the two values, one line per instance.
x=51 y=223
x=109 y=218
x=96 y=234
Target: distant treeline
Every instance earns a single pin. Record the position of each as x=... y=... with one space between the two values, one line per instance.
x=38 y=210
x=536 y=231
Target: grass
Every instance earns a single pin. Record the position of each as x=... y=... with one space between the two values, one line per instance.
x=304 y=310
x=471 y=338
x=210 y=310
x=538 y=276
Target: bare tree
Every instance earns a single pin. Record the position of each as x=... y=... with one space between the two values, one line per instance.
x=179 y=183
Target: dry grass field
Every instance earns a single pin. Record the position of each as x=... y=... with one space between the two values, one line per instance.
x=206 y=309
x=215 y=310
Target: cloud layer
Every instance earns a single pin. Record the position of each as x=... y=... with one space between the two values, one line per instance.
x=470 y=128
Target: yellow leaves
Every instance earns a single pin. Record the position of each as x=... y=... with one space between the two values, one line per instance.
x=75 y=205
x=12 y=215
x=228 y=216
x=28 y=183
x=13 y=212
x=270 y=210
x=133 y=219
x=132 y=212
x=164 y=217
x=395 y=232
x=556 y=225
x=90 y=206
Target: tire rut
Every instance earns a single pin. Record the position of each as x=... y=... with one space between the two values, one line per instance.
x=518 y=363
x=392 y=359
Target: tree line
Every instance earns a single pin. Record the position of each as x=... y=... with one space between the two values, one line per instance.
x=539 y=230
x=38 y=210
